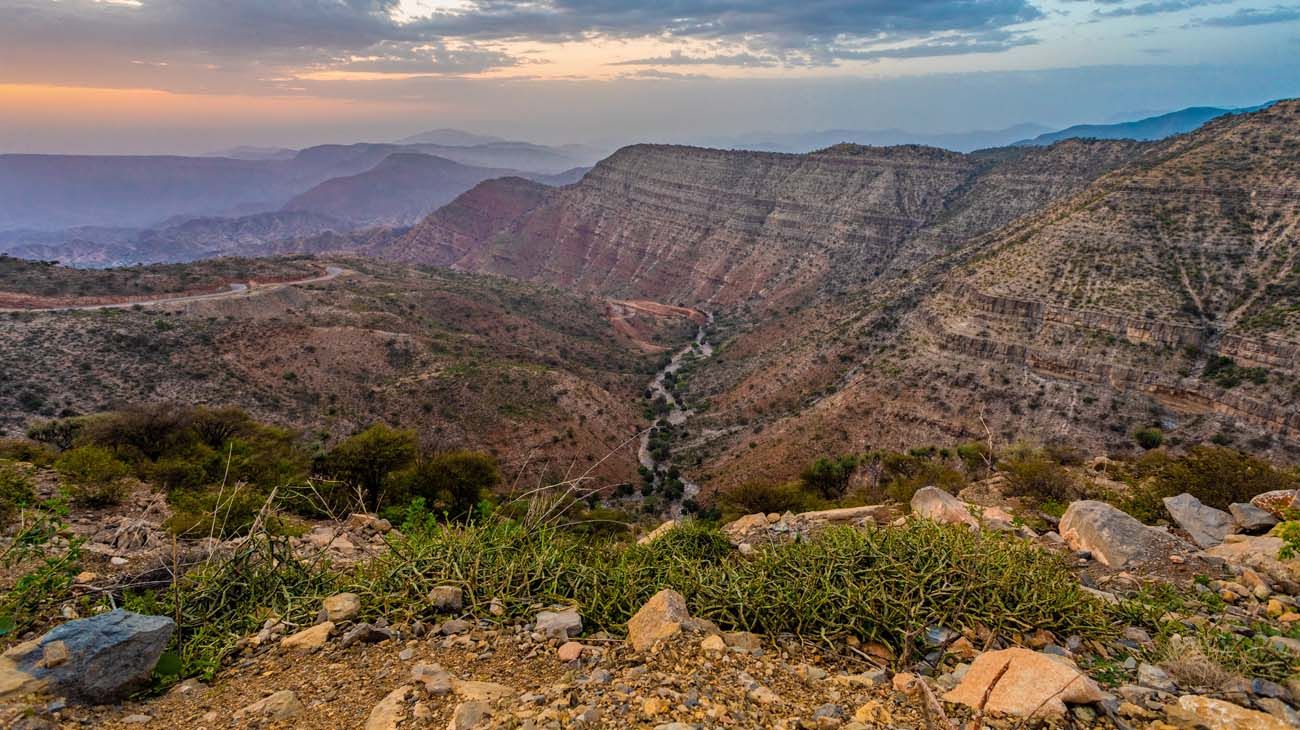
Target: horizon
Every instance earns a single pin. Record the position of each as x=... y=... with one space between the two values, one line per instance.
x=185 y=77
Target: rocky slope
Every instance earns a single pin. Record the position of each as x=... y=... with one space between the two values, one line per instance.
x=538 y=376
x=1162 y=294
x=715 y=228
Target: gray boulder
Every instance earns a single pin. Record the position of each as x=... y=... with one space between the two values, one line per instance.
x=935 y=504
x=559 y=624
x=1206 y=525
x=1113 y=537
x=1251 y=519
x=94 y=660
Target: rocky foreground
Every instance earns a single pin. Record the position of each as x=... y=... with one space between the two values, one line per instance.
x=673 y=671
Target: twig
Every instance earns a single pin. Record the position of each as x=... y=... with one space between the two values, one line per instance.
x=978 y=720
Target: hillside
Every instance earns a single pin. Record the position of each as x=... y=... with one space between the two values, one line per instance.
x=717 y=228
x=535 y=375
x=398 y=191
x=1151 y=128
x=1162 y=294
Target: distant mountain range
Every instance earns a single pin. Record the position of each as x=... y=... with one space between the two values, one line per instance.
x=1147 y=129
x=1150 y=128
x=800 y=142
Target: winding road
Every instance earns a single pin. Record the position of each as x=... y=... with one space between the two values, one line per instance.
x=236 y=290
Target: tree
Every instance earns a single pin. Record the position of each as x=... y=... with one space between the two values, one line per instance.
x=829 y=477
x=366 y=459
x=451 y=483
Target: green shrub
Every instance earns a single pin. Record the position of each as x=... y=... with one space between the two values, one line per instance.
x=901 y=475
x=16 y=491
x=147 y=430
x=1034 y=474
x=883 y=585
x=829 y=477
x=32 y=452
x=1216 y=475
x=365 y=460
x=1149 y=438
x=223 y=513
x=60 y=433
x=753 y=497
x=93 y=476
x=451 y=484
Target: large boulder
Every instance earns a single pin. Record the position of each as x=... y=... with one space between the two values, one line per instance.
x=1204 y=713
x=1113 y=537
x=1206 y=525
x=1277 y=502
x=935 y=504
x=1033 y=684
x=1250 y=518
x=95 y=660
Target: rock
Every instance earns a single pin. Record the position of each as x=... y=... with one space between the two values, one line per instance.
x=447 y=599
x=873 y=714
x=1037 y=684
x=388 y=714
x=1279 y=709
x=456 y=626
x=366 y=634
x=1260 y=553
x=1112 y=537
x=659 y=619
x=1206 y=525
x=743 y=640
x=1203 y=713
x=569 y=651
x=278 y=707
x=95 y=660
x=1154 y=677
x=136 y=719
x=363 y=523
x=1277 y=502
x=657 y=533
x=342 y=607
x=559 y=624
x=1250 y=518
x=309 y=640
x=488 y=691
x=469 y=715
x=436 y=681
x=713 y=644
x=935 y=504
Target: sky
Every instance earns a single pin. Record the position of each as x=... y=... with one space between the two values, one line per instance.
x=188 y=76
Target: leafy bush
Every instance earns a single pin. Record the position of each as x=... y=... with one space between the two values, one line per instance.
x=59 y=433
x=93 y=476
x=901 y=475
x=1216 y=475
x=1149 y=438
x=829 y=477
x=1034 y=474
x=16 y=491
x=33 y=452
x=365 y=460
x=451 y=484
x=223 y=513
x=753 y=497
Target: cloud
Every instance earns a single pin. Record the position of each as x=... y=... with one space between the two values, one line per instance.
x=257 y=41
x=678 y=58
x=1125 y=9
x=994 y=42
x=1255 y=16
